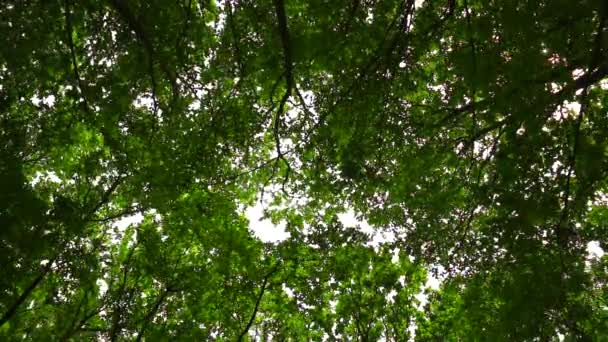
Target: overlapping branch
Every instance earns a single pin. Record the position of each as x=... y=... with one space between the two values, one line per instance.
x=143 y=37
x=257 y=303
x=289 y=82
x=596 y=74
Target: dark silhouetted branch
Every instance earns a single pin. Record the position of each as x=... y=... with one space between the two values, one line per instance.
x=127 y=15
x=26 y=293
x=257 y=303
x=152 y=313
x=289 y=83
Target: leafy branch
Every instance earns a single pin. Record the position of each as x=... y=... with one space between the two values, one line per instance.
x=289 y=83
x=257 y=303
x=12 y=310
x=585 y=81
x=122 y=7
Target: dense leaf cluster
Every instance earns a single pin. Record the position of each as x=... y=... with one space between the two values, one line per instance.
x=473 y=133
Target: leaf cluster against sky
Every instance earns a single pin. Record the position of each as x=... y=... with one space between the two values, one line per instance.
x=473 y=133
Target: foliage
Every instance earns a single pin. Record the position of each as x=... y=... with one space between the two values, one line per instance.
x=475 y=132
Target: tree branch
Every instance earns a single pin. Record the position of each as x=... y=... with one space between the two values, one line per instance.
x=257 y=303
x=117 y=312
x=104 y=198
x=142 y=36
x=372 y=64
x=237 y=49
x=585 y=81
x=26 y=293
x=152 y=313
x=79 y=84
x=285 y=41
x=289 y=83
x=129 y=211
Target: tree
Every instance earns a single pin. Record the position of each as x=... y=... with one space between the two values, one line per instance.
x=474 y=131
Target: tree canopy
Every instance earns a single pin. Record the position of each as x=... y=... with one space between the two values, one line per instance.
x=473 y=133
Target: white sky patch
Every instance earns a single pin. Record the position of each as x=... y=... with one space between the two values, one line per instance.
x=555 y=87
x=195 y=105
x=378 y=235
x=594 y=251
x=556 y=166
x=121 y=225
x=309 y=100
x=349 y=219
x=105 y=62
x=565 y=110
x=103 y=286
x=483 y=149
x=47 y=100
x=569 y=108
x=332 y=305
x=574 y=107
x=264 y=229
x=370 y=16
x=126 y=221
x=45 y=176
x=288 y=291
x=432 y=283
x=442 y=90
x=202 y=90
x=576 y=73
x=292 y=114
x=145 y=101
x=390 y=297
x=221 y=22
x=395 y=257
